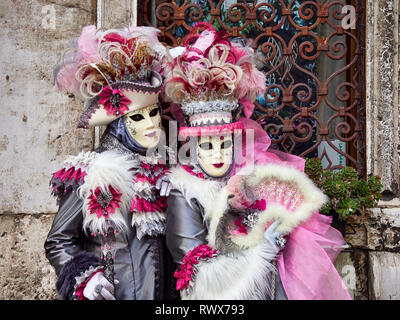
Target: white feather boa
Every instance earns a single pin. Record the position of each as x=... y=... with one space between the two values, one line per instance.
x=112 y=168
x=109 y=168
x=242 y=274
x=213 y=196
x=192 y=187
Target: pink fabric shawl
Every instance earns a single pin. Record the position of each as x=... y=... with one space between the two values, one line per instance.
x=306 y=263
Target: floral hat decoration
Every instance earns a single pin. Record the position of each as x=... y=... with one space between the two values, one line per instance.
x=114 y=72
x=211 y=80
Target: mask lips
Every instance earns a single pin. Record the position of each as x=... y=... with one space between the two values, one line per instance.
x=228 y=171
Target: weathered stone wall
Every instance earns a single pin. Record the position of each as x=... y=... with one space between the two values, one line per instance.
x=382 y=226
x=24 y=271
x=375 y=240
x=372 y=263
x=38 y=130
x=382 y=74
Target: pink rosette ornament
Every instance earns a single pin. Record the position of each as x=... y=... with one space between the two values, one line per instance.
x=114 y=101
x=103 y=204
x=259 y=205
x=240 y=227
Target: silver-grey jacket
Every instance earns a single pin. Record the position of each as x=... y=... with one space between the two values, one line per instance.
x=142 y=266
x=186 y=229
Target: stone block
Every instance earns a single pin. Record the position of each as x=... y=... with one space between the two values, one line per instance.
x=117 y=14
x=25 y=273
x=356 y=233
x=374 y=236
x=373 y=228
x=384 y=276
x=379 y=230
x=390 y=221
x=39 y=125
x=352 y=267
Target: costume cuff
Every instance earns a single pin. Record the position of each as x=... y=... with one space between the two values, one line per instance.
x=73 y=270
x=83 y=280
x=186 y=272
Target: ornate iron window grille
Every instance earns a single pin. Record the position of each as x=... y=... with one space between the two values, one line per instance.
x=314 y=105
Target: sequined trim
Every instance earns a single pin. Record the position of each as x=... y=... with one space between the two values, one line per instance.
x=195 y=107
x=281 y=192
x=90 y=108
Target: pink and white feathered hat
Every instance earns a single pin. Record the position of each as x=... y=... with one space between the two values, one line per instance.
x=114 y=72
x=211 y=80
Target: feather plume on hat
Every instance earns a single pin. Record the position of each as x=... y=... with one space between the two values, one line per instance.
x=104 y=64
x=213 y=67
x=213 y=76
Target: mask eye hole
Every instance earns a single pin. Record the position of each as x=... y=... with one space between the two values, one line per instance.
x=154 y=112
x=226 y=144
x=136 y=117
x=206 y=146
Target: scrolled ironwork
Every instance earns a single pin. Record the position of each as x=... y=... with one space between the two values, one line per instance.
x=314 y=99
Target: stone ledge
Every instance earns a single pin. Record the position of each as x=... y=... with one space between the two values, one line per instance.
x=378 y=231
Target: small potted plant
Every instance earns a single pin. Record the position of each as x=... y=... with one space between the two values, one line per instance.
x=348 y=194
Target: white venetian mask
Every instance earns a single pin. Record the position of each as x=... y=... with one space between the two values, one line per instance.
x=215 y=154
x=144 y=125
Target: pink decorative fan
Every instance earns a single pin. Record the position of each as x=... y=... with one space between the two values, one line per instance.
x=274 y=191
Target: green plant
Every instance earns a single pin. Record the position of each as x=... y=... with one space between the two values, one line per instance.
x=348 y=194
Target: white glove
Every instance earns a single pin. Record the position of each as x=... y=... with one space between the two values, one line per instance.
x=164 y=186
x=275 y=237
x=99 y=288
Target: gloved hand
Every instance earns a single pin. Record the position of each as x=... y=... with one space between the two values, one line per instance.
x=164 y=186
x=275 y=237
x=99 y=288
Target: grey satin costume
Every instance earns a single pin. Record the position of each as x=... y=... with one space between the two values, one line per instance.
x=141 y=266
x=186 y=229
x=185 y=226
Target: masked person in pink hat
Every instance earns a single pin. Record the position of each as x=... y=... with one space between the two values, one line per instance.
x=242 y=222
x=107 y=239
